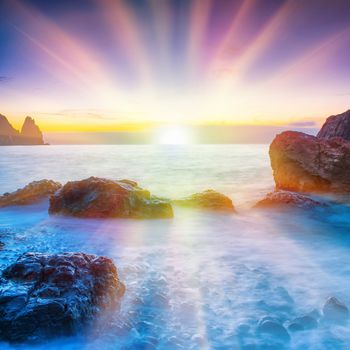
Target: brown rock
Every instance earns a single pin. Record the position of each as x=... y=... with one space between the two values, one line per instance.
x=102 y=198
x=336 y=126
x=278 y=199
x=306 y=163
x=209 y=199
x=32 y=193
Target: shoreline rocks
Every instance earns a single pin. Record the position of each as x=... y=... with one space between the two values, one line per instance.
x=281 y=198
x=48 y=295
x=305 y=163
x=30 y=194
x=207 y=200
x=336 y=126
x=102 y=198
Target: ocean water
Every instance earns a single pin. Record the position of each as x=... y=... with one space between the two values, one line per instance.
x=202 y=280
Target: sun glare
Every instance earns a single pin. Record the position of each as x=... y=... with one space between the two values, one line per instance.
x=174 y=135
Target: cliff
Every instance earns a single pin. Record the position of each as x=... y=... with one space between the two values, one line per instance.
x=30 y=133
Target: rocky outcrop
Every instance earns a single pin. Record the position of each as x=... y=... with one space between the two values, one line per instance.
x=209 y=200
x=279 y=199
x=336 y=126
x=102 y=198
x=306 y=163
x=42 y=296
x=32 y=193
x=29 y=135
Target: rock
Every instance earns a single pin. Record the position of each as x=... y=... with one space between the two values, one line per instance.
x=306 y=163
x=295 y=327
x=303 y=323
x=32 y=193
x=273 y=328
x=209 y=199
x=335 y=311
x=30 y=133
x=6 y=128
x=42 y=295
x=336 y=126
x=282 y=198
x=101 y=198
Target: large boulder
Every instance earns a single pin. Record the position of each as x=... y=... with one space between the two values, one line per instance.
x=101 y=198
x=306 y=163
x=32 y=193
x=208 y=200
x=280 y=199
x=336 y=126
x=43 y=296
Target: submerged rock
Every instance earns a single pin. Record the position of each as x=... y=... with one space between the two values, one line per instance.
x=307 y=163
x=43 y=296
x=334 y=310
x=32 y=193
x=288 y=199
x=102 y=198
x=208 y=199
x=306 y=322
x=273 y=328
x=336 y=126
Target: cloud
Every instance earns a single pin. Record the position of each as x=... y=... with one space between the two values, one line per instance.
x=4 y=79
x=303 y=124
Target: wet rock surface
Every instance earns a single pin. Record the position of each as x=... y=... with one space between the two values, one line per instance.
x=208 y=200
x=336 y=311
x=336 y=126
x=42 y=296
x=305 y=163
x=102 y=198
x=30 y=194
x=290 y=199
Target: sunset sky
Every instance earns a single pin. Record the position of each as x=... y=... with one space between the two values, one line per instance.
x=112 y=65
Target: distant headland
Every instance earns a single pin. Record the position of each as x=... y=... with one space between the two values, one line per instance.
x=30 y=133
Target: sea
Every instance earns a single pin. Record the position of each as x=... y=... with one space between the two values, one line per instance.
x=202 y=280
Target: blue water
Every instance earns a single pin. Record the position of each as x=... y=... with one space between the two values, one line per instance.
x=200 y=280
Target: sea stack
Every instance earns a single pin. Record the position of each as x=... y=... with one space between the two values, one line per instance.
x=30 y=133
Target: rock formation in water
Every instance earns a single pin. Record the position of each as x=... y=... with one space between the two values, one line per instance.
x=208 y=200
x=32 y=193
x=30 y=133
x=307 y=163
x=335 y=311
x=101 y=198
x=282 y=198
x=336 y=126
x=43 y=296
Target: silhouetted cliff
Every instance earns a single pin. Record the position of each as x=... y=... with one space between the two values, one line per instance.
x=30 y=133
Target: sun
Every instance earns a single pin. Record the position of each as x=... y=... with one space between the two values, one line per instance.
x=174 y=135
